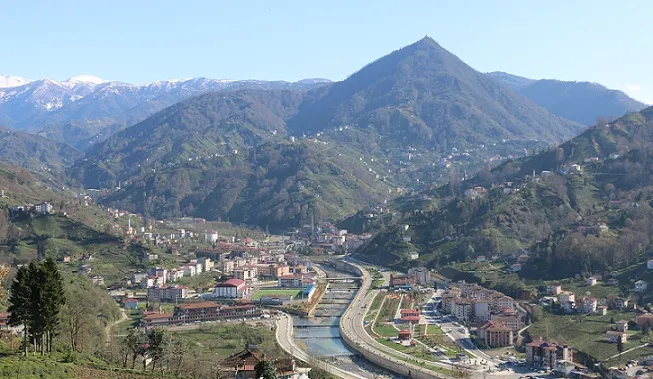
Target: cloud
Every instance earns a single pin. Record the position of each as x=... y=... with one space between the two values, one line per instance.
x=633 y=88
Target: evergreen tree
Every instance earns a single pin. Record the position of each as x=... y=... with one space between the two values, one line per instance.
x=645 y=329
x=53 y=298
x=265 y=370
x=158 y=341
x=19 y=307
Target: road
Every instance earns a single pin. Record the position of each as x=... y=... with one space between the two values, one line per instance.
x=287 y=343
x=351 y=324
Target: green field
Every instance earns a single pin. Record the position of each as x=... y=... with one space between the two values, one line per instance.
x=387 y=331
x=263 y=292
x=588 y=335
x=217 y=342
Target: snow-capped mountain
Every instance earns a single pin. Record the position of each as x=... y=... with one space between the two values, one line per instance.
x=12 y=81
x=85 y=109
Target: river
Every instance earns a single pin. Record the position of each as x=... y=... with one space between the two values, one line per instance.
x=320 y=335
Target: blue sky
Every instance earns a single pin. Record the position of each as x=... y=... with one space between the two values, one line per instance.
x=139 y=41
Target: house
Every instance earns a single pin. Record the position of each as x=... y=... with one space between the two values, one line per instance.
x=567 y=300
x=544 y=354
x=554 y=289
x=644 y=318
x=615 y=336
x=410 y=316
x=591 y=281
x=622 y=326
x=404 y=335
x=413 y=255
x=242 y=365
x=602 y=310
x=231 y=289
x=130 y=303
x=495 y=334
x=588 y=304
x=649 y=264
x=640 y=286
x=480 y=258
x=618 y=303
x=515 y=267
x=612 y=282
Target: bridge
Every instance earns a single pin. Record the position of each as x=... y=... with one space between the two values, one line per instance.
x=344 y=278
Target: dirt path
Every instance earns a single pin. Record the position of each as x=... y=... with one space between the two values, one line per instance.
x=107 y=329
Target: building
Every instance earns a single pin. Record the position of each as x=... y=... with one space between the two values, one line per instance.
x=509 y=319
x=201 y=312
x=591 y=281
x=242 y=365
x=422 y=275
x=482 y=309
x=616 y=336
x=167 y=293
x=649 y=264
x=602 y=310
x=644 y=318
x=495 y=334
x=567 y=300
x=409 y=316
x=588 y=304
x=554 y=289
x=618 y=303
x=43 y=208
x=404 y=335
x=130 y=303
x=505 y=302
x=622 y=326
x=211 y=236
x=290 y=281
x=245 y=273
x=515 y=267
x=544 y=354
x=231 y=289
x=462 y=309
x=401 y=281
x=640 y=286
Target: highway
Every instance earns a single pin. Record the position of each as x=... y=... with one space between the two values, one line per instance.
x=351 y=325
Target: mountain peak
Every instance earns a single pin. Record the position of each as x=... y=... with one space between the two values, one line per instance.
x=85 y=79
x=8 y=81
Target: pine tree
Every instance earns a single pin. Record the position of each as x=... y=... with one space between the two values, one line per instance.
x=53 y=298
x=19 y=307
x=265 y=370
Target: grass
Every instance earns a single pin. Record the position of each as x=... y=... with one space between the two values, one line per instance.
x=433 y=329
x=295 y=293
x=587 y=336
x=220 y=341
x=417 y=351
x=373 y=309
x=386 y=331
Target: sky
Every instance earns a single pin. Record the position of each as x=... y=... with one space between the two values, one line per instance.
x=140 y=41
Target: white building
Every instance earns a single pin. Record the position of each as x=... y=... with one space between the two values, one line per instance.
x=211 y=236
x=649 y=264
x=462 y=309
x=422 y=275
x=231 y=289
x=640 y=286
x=482 y=310
x=189 y=270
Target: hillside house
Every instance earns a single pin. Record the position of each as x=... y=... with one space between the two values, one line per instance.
x=622 y=326
x=641 y=286
x=649 y=264
x=554 y=289
x=515 y=267
x=615 y=336
x=591 y=281
x=618 y=303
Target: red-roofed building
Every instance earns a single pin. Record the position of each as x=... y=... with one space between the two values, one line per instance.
x=495 y=334
x=232 y=289
x=156 y=319
x=404 y=335
x=130 y=303
x=410 y=315
x=401 y=281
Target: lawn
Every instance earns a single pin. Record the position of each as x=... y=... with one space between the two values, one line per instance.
x=387 y=331
x=587 y=336
x=387 y=313
x=295 y=293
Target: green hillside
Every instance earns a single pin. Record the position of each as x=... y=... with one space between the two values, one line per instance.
x=583 y=222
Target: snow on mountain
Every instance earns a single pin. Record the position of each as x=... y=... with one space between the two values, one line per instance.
x=101 y=107
x=12 y=81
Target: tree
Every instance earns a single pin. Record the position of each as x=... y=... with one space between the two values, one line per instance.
x=158 y=341
x=131 y=344
x=645 y=329
x=53 y=298
x=265 y=370
x=620 y=347
x=19 y=307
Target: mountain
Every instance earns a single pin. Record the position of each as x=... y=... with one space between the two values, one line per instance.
x=422 y=95
x=588 y=209
x=35 y=152
x=582 y=102
x=393 y=120
x=84 y=109
x=12 y=81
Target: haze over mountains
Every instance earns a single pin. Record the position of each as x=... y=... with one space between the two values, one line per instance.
x=278 y=154
x=576 y=101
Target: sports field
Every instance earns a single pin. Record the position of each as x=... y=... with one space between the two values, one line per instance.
x=263 y=292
